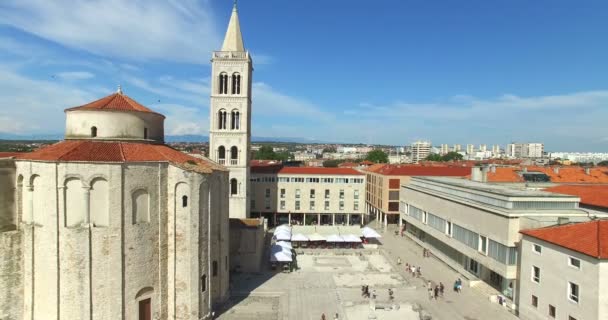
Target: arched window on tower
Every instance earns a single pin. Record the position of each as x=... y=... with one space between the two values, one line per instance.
x=235 y=120
x=223 y=83
x=222 y=119
x=234 y=187
x=221 y=154
x=184 y=201
x=93 y=132
x=234 y=155
x=236 y=83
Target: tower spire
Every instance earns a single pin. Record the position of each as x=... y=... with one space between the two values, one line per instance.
x=233 y=41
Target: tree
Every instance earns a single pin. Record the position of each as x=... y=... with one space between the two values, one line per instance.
x=377 y=156
x=450 y=156
x=265 y=153
x=329 y=150
x=331 y=163
x=433 y=157
x=603 y=163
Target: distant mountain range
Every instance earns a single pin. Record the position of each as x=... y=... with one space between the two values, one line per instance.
x=180 y=138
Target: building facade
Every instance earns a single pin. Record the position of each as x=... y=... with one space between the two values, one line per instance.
x=525 y=150
x=474 y=226
x=230 y=127
x=420 y=150
x=113 y=224
x=564 y=272
x=308 y=196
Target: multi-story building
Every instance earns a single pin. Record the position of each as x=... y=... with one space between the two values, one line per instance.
x=230 y=108
x=525 y=150
x=306 y=195
x=420 y=150
x=483 y=148
x=474 y=227
x=457 y=148
x=564 y=272
x=444 y=149
x=384 y=181
x=496 y=150
x=470 y=148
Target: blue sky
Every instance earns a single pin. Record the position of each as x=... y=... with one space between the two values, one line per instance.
x=389 y=71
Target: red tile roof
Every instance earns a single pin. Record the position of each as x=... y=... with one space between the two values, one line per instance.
x=117 y=102
x=590 y=238
x=265 y=166
x=9 y=154
x=561 y=175
x=418 y=170
x=348 y=165
x=320 y=171
x=593 y=195
x=100 y=151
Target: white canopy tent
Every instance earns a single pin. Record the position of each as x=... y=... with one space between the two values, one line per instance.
x=299 y=237
x=316 y=237
x=284 y=244
x=351 y=238
x=334 y=238
x=282 y=227
x=370 y=233
x=280 y=254
x=282 y=236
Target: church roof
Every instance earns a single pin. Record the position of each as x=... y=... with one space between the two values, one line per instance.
x=112 y=151
x=116 y=102
x=234 y=39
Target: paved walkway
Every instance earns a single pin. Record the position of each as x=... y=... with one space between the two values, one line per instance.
x=469 y=304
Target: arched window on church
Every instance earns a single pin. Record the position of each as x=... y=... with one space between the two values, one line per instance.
x=221 y=154
x=222 y=119
x=99 y=203
x=93 y=132
x=235 y=120
x=223 y=83
x=234 y=187
x=184 y=201
x=234 y=155
x=141 y=206
x=74 y=203
x=236 y=83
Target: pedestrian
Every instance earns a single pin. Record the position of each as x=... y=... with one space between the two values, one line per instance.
x=441 y=287
x=423 y=252
x=413 y=270
x=336 y=317
x=367 y=291
x=430 y=290
x=418 y=272
x=458 y=285
x=436 y=292
x=407 y=267
x=399 y=261
x=374 y=294
x=323 y=316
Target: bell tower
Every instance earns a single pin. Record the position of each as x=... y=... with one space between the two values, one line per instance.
x=230 y=127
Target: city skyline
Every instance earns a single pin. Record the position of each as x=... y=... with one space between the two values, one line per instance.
x=474 y=68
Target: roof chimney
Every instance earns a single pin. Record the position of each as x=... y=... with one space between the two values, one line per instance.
x=556 y=170
x=588 y=171
x=525 y=169
x=493 y=168
x=479 y=174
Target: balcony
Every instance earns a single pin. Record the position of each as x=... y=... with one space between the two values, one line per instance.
x=221 y=161
x=234 y=162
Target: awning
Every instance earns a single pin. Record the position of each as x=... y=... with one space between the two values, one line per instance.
x=283 y=227
x=299 y=237
x=351 y=238
x=280 y=254
x=334 y=238
x=370 y=233
x=284 y=244
x=316 y=237
x=282 y=236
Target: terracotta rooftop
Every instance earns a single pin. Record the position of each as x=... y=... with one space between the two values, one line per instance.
x=100 y=151
x=558 y=175
x=590 y=238
x=348 y=165
x=593 y=195
x=10 y=154
x=265 y=166
x=418 y=170
x=320 y=171
x=116 y=102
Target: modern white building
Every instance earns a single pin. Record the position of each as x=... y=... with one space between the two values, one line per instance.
x=474 y=226
x=525 y=150
x=230 y=108
x=420 y=150
x=306 y=195
x=111 y=223
x=564 y=272
x=444 y=149
x=470 y=148
x=457 y=148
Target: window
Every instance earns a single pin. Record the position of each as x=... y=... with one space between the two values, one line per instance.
x=221 y=153
x=483 y=244
x=233 y=186
x=552 y=311
x=145 y=133
x=93 y=132
x=297 y=193
x=234 y=155
x=535 y=301
x=235 y=120
x=536 y=274
x=574 y=262
x=282 y=193
x=341 y=194
x=236 y=83
x=141 y=206
x=298 y=205
x=312 y=205
x=214 y=267
x=537 y=248
x=312 y=193
x=448 y=229
x=204 y=283
x=356 y=207
x=267 y=195
x=184 y=201
x=282 y=204
x=222 y=119
x=326 y=205
x=267 y=203
x=341 y=205
x=573 y=292
x=223 y=88
x=326 y=193
x=356 y=196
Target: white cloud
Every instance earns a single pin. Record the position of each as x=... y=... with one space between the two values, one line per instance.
x=75 y=75
x=174 y=30
x=269 y=102
x=183 y=120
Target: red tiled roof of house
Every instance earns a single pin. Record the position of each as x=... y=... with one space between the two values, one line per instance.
x=593 y=195
x=508 y=174
x=590 y=238
x=117 y=102
x=347 y=165
x=10 y=154
x=366 y=163
x=558 y=175
x=320 y=171
x=419 y=170
x=100 y=151
x=265 y=166
x=375 y=167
